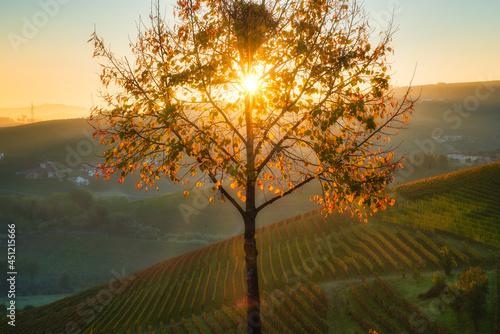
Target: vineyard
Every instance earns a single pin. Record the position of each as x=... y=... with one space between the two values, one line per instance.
x=377 y=306
x=301 y=309
x=496 y=301
x=203 y=291
x=464 y=203
x=307 y=248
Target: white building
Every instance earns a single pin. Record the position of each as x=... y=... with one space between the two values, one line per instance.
x=81 y=181
x=463 y=158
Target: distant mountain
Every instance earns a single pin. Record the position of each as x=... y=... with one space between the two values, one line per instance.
x=449 y=118
x=482 y=91
x=42 y=112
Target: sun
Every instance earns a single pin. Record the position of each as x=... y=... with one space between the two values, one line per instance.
x=250 y=83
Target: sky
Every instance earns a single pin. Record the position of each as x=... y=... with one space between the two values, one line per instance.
x=45 y=57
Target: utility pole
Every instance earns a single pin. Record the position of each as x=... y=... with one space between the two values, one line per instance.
x=32 y=119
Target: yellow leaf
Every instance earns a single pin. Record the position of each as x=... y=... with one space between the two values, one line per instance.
x=186 y=193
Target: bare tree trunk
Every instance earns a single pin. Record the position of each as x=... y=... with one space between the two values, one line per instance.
x=254 y=323
x=253 y=296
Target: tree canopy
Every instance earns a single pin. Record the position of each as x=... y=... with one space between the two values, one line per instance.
x=470 y=294
x=321 y=110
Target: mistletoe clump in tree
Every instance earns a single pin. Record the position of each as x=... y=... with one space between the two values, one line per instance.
x=255 y=98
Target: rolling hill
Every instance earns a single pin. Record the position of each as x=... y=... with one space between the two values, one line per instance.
x=465 y=203
x=43 y=140
x=69 y=145
x=302 y=259
x=448 y=118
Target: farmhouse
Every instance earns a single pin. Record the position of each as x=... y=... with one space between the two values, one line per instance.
x=468 y=159
x=80 y=181
x=47 y=169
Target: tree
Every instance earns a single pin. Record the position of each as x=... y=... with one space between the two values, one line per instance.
x=473 y=286
x=81 y=197
x=438 y=286
x=255 y=98
x=447 y=260
x=455 y=298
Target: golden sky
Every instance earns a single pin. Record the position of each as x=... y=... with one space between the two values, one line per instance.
x=46 y=58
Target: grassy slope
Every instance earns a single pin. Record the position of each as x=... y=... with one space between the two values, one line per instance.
x=26 y=146
x=43 y=141
x=479 y=176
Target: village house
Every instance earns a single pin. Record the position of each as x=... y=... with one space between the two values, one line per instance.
x=47 y=169
x=468 y=159
x=80 y=181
